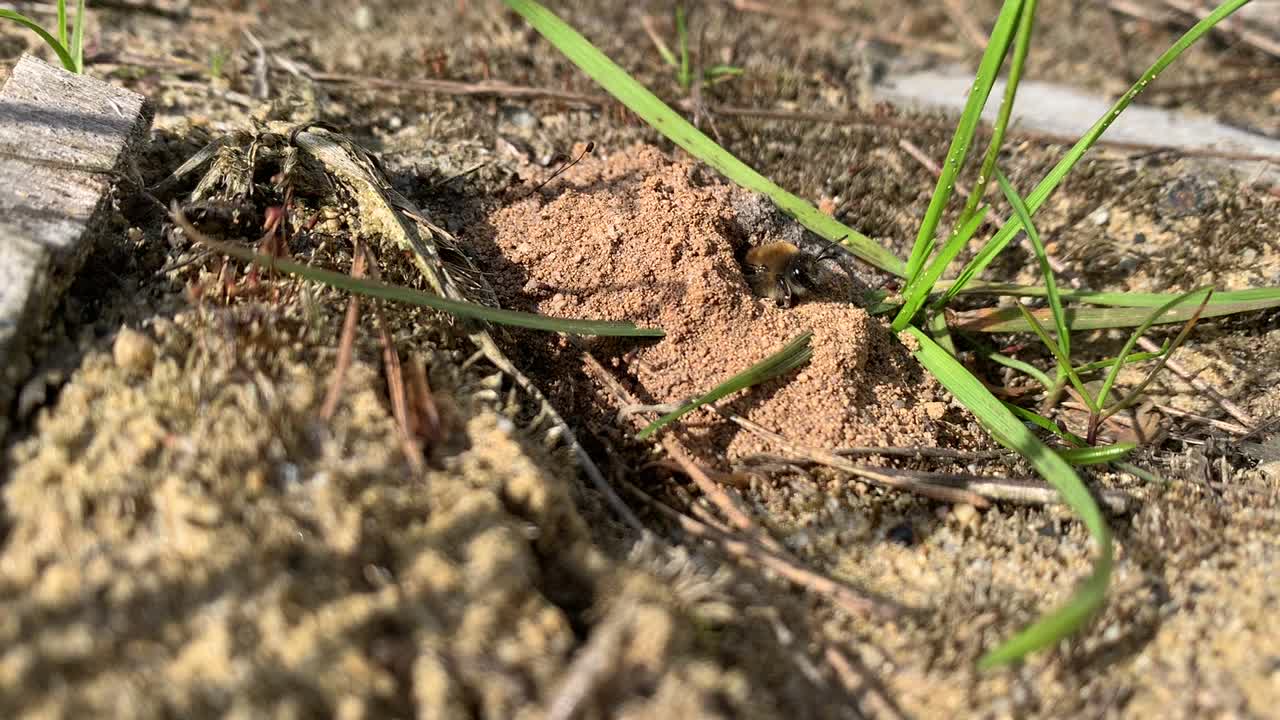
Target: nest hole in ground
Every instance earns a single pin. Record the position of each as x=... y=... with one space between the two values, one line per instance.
x=633 y=235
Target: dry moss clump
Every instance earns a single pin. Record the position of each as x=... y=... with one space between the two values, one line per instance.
x=186 y=538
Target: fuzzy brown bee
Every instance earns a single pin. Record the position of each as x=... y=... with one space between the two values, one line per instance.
x=783 y=272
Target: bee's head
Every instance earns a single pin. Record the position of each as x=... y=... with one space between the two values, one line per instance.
x=803 y=275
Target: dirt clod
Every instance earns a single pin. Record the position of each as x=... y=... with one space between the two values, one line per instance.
x=133 y=351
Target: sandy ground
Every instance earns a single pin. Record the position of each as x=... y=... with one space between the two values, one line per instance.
x=183 y=536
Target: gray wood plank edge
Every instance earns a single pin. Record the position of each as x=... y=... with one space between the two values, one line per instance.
x=64 y=139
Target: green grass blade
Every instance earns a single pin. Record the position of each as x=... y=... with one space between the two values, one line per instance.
x=667 y=121
x=63 y=57
x=1046 y=271
x=1011 y=433
x=668 y=57
x=1045 y=424
x=1021 y=46
x=1123 y=299
x=1129 y=359
x=914 y=300
x=988 y=69
x=793 y=355
x=62 y=23
x=716 y=73
x=682 y=38
x=941 y=334
x=1097 y=455
x=1009 y=320
x=1064 y=362
x=1136 y=393
x=396 y=293
x=1015 y=364
x=1159 y=315
x=1140 y=473
x=77 y=37
x=1056 y=175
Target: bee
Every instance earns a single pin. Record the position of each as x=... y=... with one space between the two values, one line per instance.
x=783 y=272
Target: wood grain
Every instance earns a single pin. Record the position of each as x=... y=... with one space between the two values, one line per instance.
x=64 y=139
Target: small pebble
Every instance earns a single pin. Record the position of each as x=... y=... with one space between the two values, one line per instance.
x=133 y=351
x=967 y=515
x=362 y=18
x=520 y=117
x=935 y=410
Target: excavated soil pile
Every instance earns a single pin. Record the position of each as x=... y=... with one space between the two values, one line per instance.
x=635 y=236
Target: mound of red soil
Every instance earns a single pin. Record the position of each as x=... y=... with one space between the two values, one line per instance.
x=635 y=236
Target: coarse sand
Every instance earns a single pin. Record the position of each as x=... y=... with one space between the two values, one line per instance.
x=636 y=236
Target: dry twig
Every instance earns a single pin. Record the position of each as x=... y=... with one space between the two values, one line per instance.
x=1001 y=489
x=858 y=121
x=921 y=157
x=875 y=476
x=843 y=595
x=395 y=380
x=1219 y=424
x=963 y=19
x=347 y=341
x=1233 y=26
x=1181 y=371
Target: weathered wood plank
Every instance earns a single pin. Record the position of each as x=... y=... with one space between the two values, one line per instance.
x=64 y=138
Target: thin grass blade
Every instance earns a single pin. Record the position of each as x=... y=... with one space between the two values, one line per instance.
x=716 y=73
x=682 y=38
x=77 y=37
x=1064 y=362
x=62 y=23
x=68 y=63
x=668 y=122
x=913 y=300
x=1009 y=320
x=1160 y=315
x=1021 y=46
x=396 y=293
x=1046 y=270
x=988 y=68
x=1021 y=366
x=1011 y=433
x=668 y=57
x=793 y=355
x=1136 y=471
x=1045 y=424
x=1121 y=299
x=1164 y=358
x=1097 y=455
x=1129 y=359
x=1056 y=175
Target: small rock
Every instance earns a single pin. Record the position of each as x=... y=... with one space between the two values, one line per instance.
x=362 y=18
x=967 y=515
x=1185 y=197
x=133 y=351
x=1100 y=217
x=935 y=410
x=520 y=117
x=34 y=394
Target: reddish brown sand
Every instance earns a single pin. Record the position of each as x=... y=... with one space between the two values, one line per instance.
x=635 y=236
